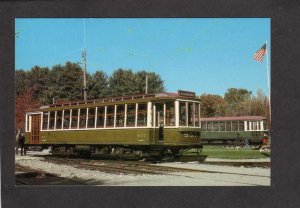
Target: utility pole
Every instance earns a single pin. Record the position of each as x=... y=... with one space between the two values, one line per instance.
x=84 y=64
x=146 y=84
x=84 y=75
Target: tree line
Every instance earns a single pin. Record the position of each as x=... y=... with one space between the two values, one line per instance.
x=42 y=86
x=235 y=102
x=65 y=83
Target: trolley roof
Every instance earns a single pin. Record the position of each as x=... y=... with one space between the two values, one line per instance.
x=235 y=118
x=131 y=98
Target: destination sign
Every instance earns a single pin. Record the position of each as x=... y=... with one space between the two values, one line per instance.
x=186 y=93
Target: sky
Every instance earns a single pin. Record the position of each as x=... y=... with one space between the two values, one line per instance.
x=203 y=55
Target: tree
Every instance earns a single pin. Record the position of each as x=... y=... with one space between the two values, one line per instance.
x=236 y=100
x=37 y=80
x=20 y=82
x=98 y=85
x=33 y=80
x=259 y=105
x=24 y=102
x=121 y=83
x=125 y=82
x=212 y=105
x=64 y=83
x=155 y=83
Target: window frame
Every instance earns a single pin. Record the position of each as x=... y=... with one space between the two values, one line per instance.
x=144 y=114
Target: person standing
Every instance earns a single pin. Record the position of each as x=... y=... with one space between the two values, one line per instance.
x=17 y=140
x=22 y=144
x=161 y=133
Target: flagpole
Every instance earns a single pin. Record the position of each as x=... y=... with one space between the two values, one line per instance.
x=269 y=80
x=84 y=64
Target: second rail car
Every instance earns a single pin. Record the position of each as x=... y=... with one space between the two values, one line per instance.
x=231 y=130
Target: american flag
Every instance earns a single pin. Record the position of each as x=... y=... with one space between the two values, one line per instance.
x=259 y=54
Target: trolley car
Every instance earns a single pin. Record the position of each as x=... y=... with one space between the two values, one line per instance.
x=149 y=125
x=221 y=130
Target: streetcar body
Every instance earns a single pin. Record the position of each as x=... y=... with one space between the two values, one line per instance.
x=150 y=123
x=220 y=130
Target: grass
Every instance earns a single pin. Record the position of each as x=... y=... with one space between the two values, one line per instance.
x=230 y=153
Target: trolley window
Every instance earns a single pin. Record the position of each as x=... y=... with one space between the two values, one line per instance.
x=191 y=112
x=58 y=120
x=45 y=120
x=254 y=126
x=250 y=125
x=228 y=125
x=182 y=114
x=222 y=126
x=159 y=114
x=52 y=119
x=74 y=121
x=204 y=125
x=100 y=117
x=241 y=126
x=170 y=114
x=209 y=126
x=234 y=126
x=91 y=118
x=120 y=115
x=82 y=118
x=197 y=114
x=142 y=114
x=215 y=126
x=130 y=121
x=66 y=123
x=258 y=126
x=110 y=116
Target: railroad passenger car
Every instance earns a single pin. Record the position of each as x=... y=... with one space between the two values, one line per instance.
x=151 y=124
x=220 y=130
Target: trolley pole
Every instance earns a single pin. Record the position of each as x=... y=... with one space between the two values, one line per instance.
x=84 y=75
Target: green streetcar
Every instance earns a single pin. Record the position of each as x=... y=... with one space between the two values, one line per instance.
x=150 y=125
x=234 y=130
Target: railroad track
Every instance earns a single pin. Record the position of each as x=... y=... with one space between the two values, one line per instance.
x=240 y=164
x=134 y=167
x=28 y=176
x=116 y=167
x=21 y=182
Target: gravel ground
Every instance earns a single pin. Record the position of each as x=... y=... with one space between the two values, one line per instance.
x=222 y=176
